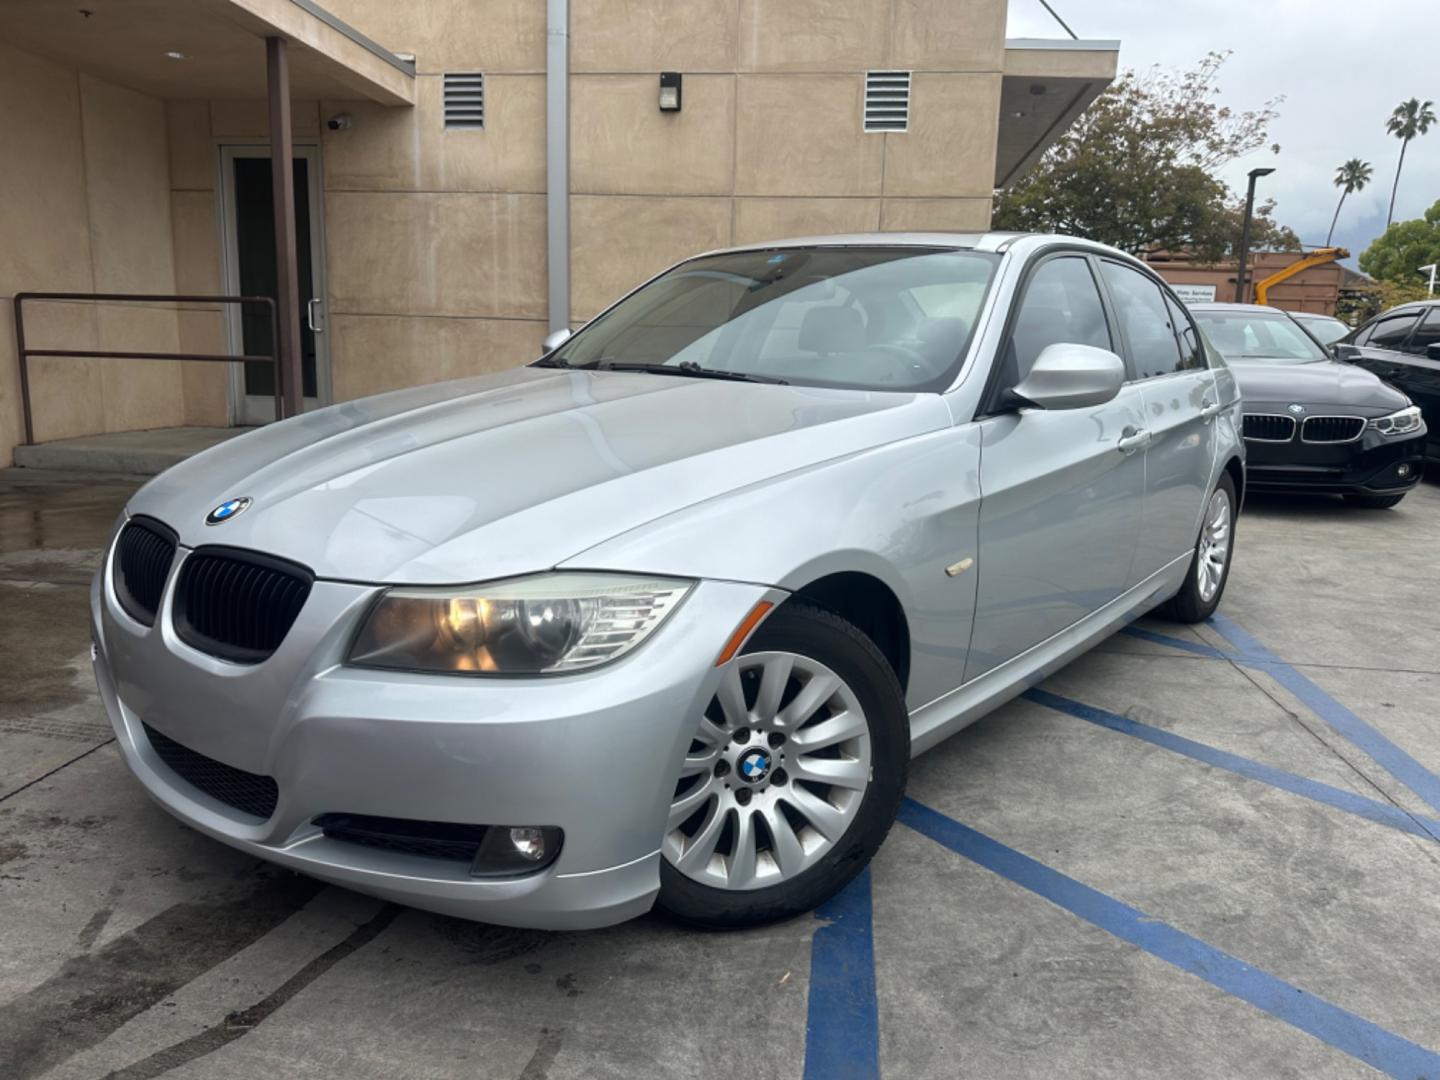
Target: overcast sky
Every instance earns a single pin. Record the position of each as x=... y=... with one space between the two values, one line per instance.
x=1342 y=66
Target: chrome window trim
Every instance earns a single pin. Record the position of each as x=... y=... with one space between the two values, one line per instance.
x=1333 y=442
x=1270 y=416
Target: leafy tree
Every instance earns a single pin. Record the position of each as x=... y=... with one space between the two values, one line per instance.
x=1399 y=252
x=1410 y=119
x=1352 y=176
x=1137 y=169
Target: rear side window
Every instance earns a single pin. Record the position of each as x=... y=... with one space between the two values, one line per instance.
x=1427 y=334
x=1390 y=331
x=1061 y=305
x=1146 y=319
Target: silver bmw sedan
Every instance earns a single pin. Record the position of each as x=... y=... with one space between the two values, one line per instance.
x=660 y=618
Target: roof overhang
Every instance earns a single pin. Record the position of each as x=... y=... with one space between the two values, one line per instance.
x=221 y=45
x=1047 y=84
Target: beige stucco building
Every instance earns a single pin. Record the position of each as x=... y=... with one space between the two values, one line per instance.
x=134 y=158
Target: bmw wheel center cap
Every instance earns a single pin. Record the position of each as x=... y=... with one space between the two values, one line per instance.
x=755 y=765
x=227 y=510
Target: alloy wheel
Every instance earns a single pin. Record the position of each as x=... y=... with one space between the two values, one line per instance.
x=775 y=773
x=1214 y=547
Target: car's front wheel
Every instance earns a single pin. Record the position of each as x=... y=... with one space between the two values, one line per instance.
x=793 y=776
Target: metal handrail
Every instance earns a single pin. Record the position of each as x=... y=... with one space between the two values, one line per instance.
x=24 y=354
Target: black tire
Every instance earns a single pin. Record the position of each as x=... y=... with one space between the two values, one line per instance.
x=1187 y=606
x=1374 y=502
x=799 y=627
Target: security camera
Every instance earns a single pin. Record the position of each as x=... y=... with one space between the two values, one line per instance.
x=339 y=122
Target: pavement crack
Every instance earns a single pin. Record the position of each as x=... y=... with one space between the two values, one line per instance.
x=243 y=1021
x=63 y=765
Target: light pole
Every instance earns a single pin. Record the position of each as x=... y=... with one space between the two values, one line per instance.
x=1255 y=174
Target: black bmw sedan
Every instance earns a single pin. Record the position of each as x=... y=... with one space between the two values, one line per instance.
x=1313 y=423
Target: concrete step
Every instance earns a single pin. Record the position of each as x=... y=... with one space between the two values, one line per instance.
x=137 y=453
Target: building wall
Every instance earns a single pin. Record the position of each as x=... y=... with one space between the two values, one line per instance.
x=1314 y=289
x=437 y=238
x=86 y=208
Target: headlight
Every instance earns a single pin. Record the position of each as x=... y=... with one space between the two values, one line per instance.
x=548 y=623
x=1398 y=423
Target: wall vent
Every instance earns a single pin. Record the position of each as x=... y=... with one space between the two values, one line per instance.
x=887 y=101
x=464 y=99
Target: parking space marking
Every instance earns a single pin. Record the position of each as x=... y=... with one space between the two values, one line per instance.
x=1360 y=1038
x=1251 y=652
x=1339 y=798
x=842 y=1027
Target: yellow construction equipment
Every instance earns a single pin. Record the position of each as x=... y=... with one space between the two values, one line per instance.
x=1318 y=257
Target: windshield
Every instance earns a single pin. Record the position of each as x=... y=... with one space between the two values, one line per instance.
x=880 y=318
x=1258 y=335
x=1325 y=329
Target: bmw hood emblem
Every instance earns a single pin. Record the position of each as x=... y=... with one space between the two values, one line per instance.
x=1297 y=409
x=227 y=510
x=755 y=765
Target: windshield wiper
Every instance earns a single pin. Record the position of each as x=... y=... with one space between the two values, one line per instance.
x=687 y=369
x=546 y=361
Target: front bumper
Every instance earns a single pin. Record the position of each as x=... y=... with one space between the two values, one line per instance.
x=1374 y=464
x=595 y=754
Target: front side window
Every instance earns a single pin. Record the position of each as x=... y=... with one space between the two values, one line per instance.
x=1141 y=308
x=1390 y=331
x=878 y=318
x=1192 y=356
x=1061 y=305
x=1246 y=334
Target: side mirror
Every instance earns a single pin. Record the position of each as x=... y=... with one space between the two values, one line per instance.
x=554 y=340
x=1066 y=376
x=1346 y=354
x=1432 y=351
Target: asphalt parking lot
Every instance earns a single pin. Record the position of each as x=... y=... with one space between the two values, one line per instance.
x=1192 y=852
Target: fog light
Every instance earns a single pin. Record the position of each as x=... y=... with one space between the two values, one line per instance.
x=511 y=850
x=529 y=842
x=1403 y=470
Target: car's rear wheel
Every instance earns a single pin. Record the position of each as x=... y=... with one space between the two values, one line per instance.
x=1374 y=502
x=1210 y=564
x=793 y=776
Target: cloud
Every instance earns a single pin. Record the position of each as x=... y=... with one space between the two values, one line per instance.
x=1341 y=68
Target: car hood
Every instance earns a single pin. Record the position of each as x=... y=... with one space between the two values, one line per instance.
x=1325 y=382
x=514 y=472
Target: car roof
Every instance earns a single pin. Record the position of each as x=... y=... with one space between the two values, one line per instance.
x=1262 y=309
x=1314 y=315
x=969 y=241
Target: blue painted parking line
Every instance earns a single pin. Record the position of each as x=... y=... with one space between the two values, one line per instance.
x=1354 y=1035
x=1370 y=809
x=1251 y=652
x=842 y=1027
x=1196 y=647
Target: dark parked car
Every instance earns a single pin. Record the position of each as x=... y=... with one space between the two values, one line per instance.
x=1313 y=423
x=1402 y=346
x=1325 y=329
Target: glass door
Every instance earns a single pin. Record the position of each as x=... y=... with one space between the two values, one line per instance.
x=249 y=233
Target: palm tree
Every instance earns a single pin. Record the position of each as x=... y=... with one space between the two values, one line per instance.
x=1410 y=118
x=1352 y=176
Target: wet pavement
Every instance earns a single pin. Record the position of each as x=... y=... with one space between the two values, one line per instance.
x=1209 y=851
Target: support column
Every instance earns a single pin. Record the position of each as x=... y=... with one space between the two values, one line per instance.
x=287 y=272
x=557 y=161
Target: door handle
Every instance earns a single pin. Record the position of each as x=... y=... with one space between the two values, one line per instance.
x=1209 y=410
x=315 y=328
x=1133 y=439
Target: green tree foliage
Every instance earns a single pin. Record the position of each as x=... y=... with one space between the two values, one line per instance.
x=1409 y=120
x=1352 y=176
x=1398 y=253
x=1137 y=169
